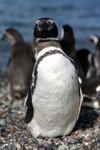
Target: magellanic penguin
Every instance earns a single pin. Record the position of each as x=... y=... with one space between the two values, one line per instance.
x=53 y=103
x=86 y=59
x=67 y=41
x=68 y=45
x=96 y=41
x=91 y=92
x=20 y=64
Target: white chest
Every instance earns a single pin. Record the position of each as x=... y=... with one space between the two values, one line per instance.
x=55 y=97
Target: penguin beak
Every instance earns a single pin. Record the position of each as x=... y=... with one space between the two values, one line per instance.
x=44 y=24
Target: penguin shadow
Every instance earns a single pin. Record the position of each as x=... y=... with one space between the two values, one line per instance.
x=87 y=119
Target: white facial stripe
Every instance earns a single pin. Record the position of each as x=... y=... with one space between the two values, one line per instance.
x=94 y=38
x=44 y=39
x=37 y=21
x=9 y=37
x=62 y=33
x=98 y=89
x=47 y=49
x=51 y=21
x=51 y=48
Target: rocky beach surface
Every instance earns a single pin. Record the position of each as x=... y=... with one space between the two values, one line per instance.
x=14 y=134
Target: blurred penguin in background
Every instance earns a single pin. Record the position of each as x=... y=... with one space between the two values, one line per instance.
x=86 y=59
x=91 y=92
x=68 y=45
x=68 y=41
x=20 y=64
x=96 y=41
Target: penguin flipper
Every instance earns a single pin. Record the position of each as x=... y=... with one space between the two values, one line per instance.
x=29 y=110
x=79 y=104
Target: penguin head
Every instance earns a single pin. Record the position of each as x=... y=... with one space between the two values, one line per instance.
x=67 y=33
x=12 y=36
x=95 y=39
x=45 y=28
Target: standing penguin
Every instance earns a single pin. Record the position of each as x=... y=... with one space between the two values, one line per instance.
x=68 y=44
x=86 y=59
x=96 y=41
x=20 y=65
x=67 y=41
x=53 y=103
x=91 y=92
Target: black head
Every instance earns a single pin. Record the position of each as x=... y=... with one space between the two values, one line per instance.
x=67 y=32
x=95 y=39
x=45 y=28
x=11 y=35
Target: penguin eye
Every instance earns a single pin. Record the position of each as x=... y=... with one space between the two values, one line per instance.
x=51 y=22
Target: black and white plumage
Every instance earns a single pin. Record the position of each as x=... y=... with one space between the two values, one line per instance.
x=90 y=102
x=20 y=64
x=54 y=98
x=91 y=90
x=67 y=41
x=34 y=48
x=86 y=59
x=96 y=41
x=68 y=45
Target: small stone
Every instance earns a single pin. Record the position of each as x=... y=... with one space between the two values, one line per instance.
x=22 y=143
x=89 y=138
x=3 y=132
x=98 y=119
x=63 y=147
x=72 y=133
x=13 y=130
x=9 y=97
x=35 y=148
x=2 y=122
x=96 y=135
x=4 y=112
x=17 y=145
x=89 y=132
x=43 y=148
x=86 y=143
x=46 y=138
x=62 y=143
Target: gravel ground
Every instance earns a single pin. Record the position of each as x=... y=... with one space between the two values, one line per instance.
x=14 y=134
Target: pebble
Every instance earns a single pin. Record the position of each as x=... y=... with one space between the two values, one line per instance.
x=13 y=130
x=35 y=148
x=2 y=122
x=15 y=136
x=63 y=147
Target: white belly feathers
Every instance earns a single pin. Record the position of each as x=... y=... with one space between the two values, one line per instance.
x=56 y=95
